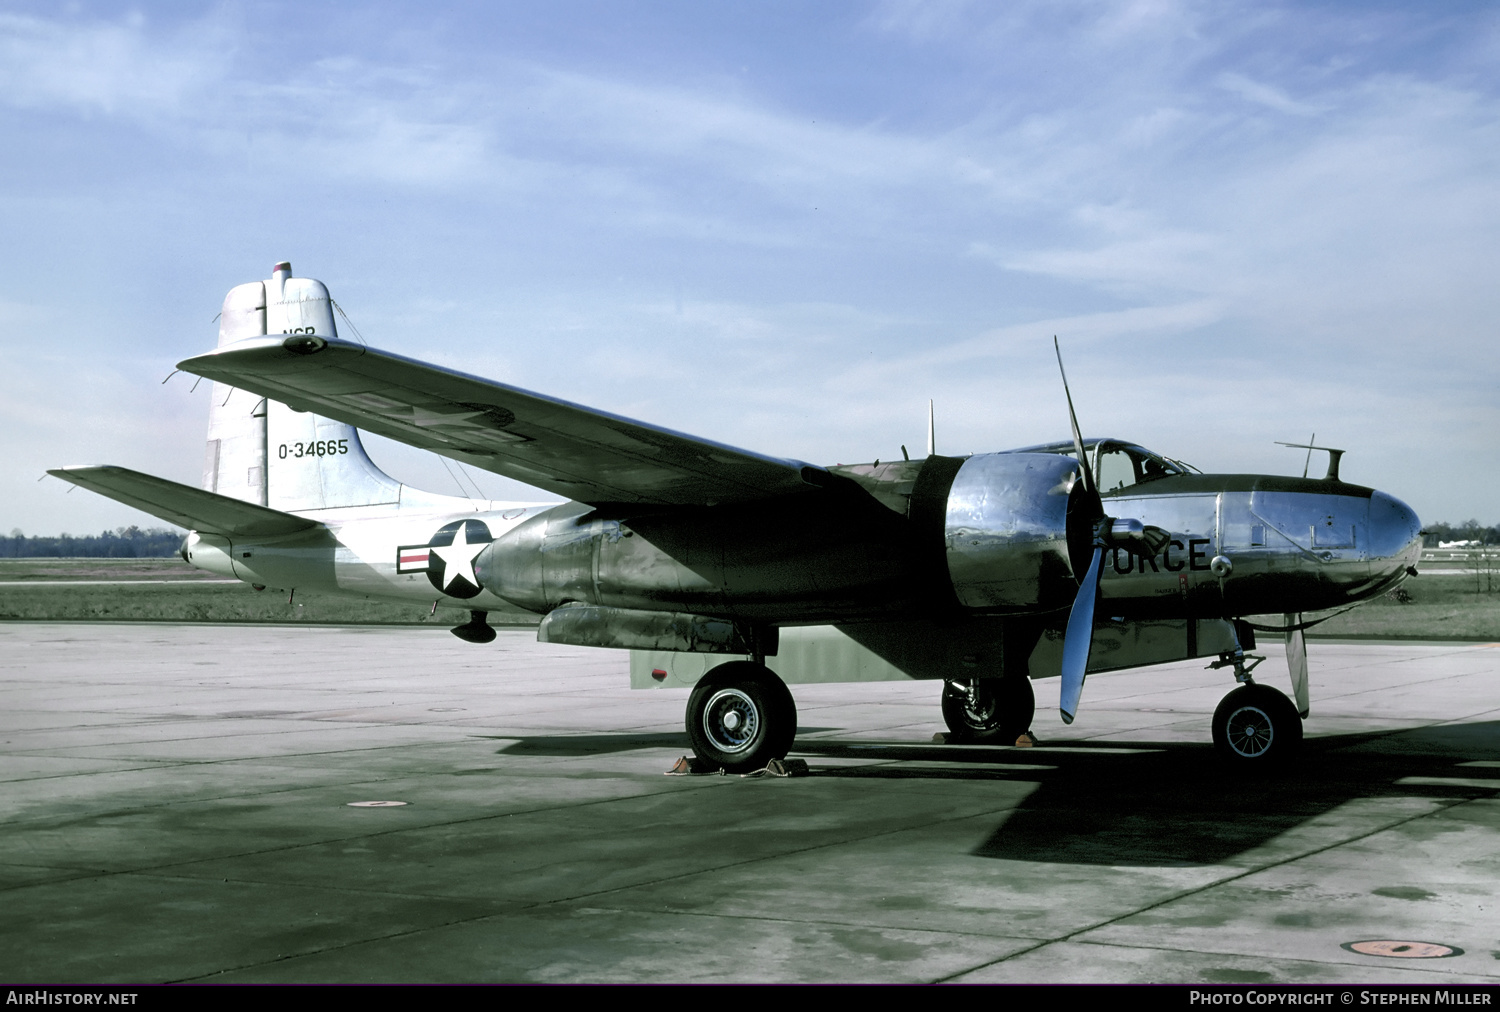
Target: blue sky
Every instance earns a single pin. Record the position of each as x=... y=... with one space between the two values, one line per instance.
x=783 y=226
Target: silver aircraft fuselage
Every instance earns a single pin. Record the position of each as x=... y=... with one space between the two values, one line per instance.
x=988 y=534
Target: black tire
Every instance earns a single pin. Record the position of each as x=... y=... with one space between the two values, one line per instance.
x=1256 y=726
x=740 y=717
x=999 y=715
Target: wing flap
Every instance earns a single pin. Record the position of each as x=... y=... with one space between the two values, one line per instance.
x=584 y=454
x=184 y=505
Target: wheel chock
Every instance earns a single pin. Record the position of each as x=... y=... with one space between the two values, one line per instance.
x=781 y=768
x=692 y=766
x=1026 y=740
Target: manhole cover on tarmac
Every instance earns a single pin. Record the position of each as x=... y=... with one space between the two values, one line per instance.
x=1402 y=950
x=376 y=804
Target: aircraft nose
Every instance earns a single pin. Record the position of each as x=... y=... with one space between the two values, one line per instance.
x=1394 y=531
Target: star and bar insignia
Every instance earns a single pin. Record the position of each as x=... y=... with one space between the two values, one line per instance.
x=448 y=557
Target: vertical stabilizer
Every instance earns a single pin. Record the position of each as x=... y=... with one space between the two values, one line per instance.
x=317 y=463
x=235 y=461
x=264 y=452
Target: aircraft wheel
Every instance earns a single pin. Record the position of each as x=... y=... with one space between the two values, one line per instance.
x=741 y=716
x=1256 y=725
x=997 y=712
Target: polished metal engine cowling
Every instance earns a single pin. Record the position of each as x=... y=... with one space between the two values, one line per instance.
x=1006 y=531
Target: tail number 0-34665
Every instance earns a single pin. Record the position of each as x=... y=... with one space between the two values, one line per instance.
x=317 y=448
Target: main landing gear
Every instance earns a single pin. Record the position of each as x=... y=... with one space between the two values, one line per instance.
x=988 y=711
x=1255 y=726
x=741 y=716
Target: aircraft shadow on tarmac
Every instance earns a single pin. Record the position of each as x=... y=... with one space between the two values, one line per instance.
x=1166 y=804
x=1175 y=804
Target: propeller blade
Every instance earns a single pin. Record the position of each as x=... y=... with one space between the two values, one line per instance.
x=1079 y=637
x=1083 y=461
x=1296 y=662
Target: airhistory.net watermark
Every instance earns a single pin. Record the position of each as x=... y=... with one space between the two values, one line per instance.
x=70 y=998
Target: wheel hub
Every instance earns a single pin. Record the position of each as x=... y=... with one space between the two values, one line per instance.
x=731 y=720
x=1249 y=731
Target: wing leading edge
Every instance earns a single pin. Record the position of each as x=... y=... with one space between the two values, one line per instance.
x=587 y=455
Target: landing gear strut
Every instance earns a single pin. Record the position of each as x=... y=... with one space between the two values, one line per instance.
x=741 y=716
x=1254 y=725
x=989 y=711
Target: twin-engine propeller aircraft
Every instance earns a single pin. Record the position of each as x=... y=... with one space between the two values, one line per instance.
x=983 y=572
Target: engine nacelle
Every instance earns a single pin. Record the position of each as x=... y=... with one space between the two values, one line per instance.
x=1006 y=531
x=821 y=559
x=1005 y=548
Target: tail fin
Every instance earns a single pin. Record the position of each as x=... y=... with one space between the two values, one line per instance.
x=235 y=463
x=262 y=451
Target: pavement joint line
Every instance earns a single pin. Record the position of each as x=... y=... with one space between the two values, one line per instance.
x=556 y=902
x=519 y=906
x=541 y=904
x=111 y=813
x=512 y=905
x=266 y=758
x=65 y=753
x=1443 y=806
x=1433 y=966
x=585 y=895
x=783 y=855
x=369 y=835
x=820 y=921
x=1424 y=683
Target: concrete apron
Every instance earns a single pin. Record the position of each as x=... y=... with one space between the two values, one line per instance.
x=176 y=806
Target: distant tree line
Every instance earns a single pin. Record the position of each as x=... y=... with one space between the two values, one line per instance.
x=1469 y=530
x=124 y=543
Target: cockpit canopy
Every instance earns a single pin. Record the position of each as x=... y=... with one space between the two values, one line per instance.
x=1117 y=464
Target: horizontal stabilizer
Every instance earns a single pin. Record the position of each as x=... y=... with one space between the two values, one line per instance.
x=183 y=505
x=587 y=455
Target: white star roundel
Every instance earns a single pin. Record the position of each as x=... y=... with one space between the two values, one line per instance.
x=451 y=554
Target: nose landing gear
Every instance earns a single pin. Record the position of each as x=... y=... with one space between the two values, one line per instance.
x=1255 y=725
x=989 y=711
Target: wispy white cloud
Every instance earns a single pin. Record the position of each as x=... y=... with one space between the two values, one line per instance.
x=1182 y=191
x=1264 y=94
x=125 y=67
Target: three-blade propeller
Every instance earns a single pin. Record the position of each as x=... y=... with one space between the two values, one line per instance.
x=1138 y=539
x=1296 y=662
x=1107 y=533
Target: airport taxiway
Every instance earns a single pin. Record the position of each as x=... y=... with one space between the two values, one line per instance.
x=176 y=806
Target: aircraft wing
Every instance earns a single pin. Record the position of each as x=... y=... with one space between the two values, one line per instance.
x=183 y=505
x=574 y=451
